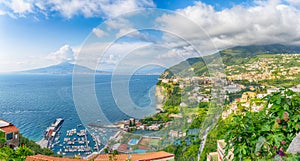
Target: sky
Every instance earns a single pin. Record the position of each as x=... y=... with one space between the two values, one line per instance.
x=122 y=34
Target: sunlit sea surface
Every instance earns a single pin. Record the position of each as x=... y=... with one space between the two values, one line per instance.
x=32 y=102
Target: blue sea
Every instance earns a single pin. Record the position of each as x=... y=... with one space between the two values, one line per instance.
x=33 y=102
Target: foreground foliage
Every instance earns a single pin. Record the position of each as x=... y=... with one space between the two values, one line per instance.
x=266 y=134
x=19 y=154
x=27 y=147
x=36 y=149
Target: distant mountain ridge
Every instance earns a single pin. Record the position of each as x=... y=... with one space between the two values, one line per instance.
x=63 y=68
x=236 y=55
x=67 y=68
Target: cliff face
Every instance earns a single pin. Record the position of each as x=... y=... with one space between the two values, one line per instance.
x=161 y=94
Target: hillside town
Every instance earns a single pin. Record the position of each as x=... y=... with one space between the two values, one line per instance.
x=182 y=104
x=281 y=66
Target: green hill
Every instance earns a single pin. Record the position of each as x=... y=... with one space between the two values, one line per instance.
x=232 y=56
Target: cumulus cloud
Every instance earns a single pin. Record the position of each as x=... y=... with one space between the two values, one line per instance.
x=98 y=32
x=119 y=7
x=17 y=7
x=182 y=52
x=106 y=56
x=64 y=54
x=265 y=22
x=70 y=8
x=118 y=23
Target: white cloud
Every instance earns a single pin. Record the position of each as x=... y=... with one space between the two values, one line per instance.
x=70 y=8
x=119 y=7
x=123 y=27
x=64 y=54
x=126 y=31
x=2 y=12
x=18 y=7
x=106 y=56
x=98 y=32
x=118 y=23
x=184 y=53
x=264 y=23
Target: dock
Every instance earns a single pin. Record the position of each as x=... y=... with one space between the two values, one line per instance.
x=43 y=143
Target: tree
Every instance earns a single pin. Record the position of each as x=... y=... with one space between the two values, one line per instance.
x=5 y=153
x=2 y=139
x=2 y=142
x=22 y=152
x=106 y=151
x=34 y=147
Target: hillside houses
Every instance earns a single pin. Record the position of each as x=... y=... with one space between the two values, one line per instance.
x=265 y=68
x=10 y=133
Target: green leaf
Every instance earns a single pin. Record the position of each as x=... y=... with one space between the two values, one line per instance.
x=275 y=139
x=278 y=101
x=265 y=128
x=286 y=106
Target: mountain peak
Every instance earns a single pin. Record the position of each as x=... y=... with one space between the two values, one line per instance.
x=61 y=68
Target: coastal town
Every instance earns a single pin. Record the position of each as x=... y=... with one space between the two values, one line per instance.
x=182 y=105
x=197 y=91
x=150 y=80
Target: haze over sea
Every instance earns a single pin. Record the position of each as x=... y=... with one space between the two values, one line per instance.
x=33 y=102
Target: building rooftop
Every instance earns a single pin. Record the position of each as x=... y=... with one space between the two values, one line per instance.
x=7 y=127
x=49 y=158
x=105 y=157
x=137 y=157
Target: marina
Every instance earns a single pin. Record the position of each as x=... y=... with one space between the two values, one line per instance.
x=71 y=142
x=75 y=141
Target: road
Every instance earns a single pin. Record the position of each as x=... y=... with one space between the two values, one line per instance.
x=202 y=144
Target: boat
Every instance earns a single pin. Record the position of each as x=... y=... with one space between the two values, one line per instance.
x=52 y=131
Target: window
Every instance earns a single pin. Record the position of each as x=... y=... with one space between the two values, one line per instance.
x=9 y=136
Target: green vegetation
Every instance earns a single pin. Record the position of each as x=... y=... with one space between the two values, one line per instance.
x=173 y=96
x=19 y=154
x=2 y=139
x=217 y=133
x=264 y=134
x=199 y=118
x=233 y=56
x=286 y=83
x=36 y=149
x=27 y=147
x=171 y=105
x=187 y=150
